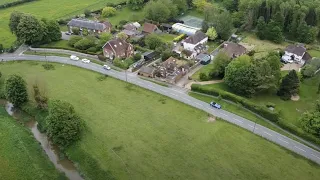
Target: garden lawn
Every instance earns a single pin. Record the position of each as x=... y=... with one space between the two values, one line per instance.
x=62 y=44
x=126 y=14
x=168 y=38
x=21 y=156
x=47 y=9
x=133 y=133
x=314 y=53
x=205 y=69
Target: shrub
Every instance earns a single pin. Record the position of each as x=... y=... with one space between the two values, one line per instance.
x=108 y=11
x=102 y=77
x=123 y=64
x=101 y=57
x=73 y=40
x=84 y=44
x=48 y=66
x=92 y=49
x=16 y=90
x=75 y=31
x=270 y=105
x=137 y=57
x=87 y=12
x=203 y=76
x=179 y=38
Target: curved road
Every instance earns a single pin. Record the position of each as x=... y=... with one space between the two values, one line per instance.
x=182 y=96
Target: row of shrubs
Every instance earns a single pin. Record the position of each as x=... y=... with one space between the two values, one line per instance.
x=273 y=116
x=14 y=3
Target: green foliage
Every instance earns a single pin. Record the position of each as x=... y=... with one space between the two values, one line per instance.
x=108 y=12
x=84 y=44
x=29 y=30
x=40 y=97
x=51 y=30
x=160 y=11
x=289 y=85
x=271 y=31
x=179 y=38
x=220 y=63
x=212 y=33
x=87 y=13
x=201 y=5
x=15 y=18
x=48 y=66
x=203 y=77
x=221 y=21
x=135 y=4
x=137 y=57
x=122 y=36
x=310 y=121
x=64 y=126
x=75 y=31
x=73 y=40
x=123 y=64
x=153 y=41
x=16 y=90
x=310 y=69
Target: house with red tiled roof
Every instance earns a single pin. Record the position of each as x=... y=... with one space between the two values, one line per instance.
x=117 y=48
x=150 y=28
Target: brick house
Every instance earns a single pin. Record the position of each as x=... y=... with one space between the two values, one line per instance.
x=117 y=48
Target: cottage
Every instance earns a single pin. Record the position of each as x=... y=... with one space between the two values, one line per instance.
x=297 y=53
x=149 y=28
x=233 y=50
x=195 y=42
x=91 y=26
x=150 y=56
x=117 y=48
x=171 y=70
x=146 y=71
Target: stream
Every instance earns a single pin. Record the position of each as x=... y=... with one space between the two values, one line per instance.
x=52 y=151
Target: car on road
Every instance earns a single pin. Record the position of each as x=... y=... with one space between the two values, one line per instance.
x=106 y=67
x=73 y=57
x=215 y=105
x=85 y=61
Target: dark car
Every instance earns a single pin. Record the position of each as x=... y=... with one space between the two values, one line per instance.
x=215 y=105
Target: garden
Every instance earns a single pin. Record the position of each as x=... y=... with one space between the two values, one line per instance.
x=159 y=139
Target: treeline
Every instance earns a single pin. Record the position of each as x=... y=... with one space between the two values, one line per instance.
x=15 y=3
x=296 y=19
x=31 y=30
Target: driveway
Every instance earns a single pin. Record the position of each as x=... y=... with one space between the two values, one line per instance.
x=64 y=36
x=182 y=96
x=291 y=66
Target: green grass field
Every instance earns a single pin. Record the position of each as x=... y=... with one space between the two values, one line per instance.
x=6 y=1
x=132 y=133
x=21 y=157
x=47 y=9
x=314 y=53
x=126 y=14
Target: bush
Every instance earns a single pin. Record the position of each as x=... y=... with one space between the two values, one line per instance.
x=75 y=31
x=261 y=110
x=179 y=38
x=123 y=64
x=16 y=90
x=101 y=57
x=203 y=76
x=270 y=105
x=84 y=44
x=108 y=11
x=73 y=40
x=87 y=12
x=92 y=49
x=48 y=66
x=137 y=57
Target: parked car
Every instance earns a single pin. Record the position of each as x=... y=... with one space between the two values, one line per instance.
x=106 y=67
x=73 y=57
x=215 y=105
x=67 y=33
x=85 y=61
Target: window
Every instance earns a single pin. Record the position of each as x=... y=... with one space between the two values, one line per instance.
x=115 y=45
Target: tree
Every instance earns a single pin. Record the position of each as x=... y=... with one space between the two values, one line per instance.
x=160 y=11
x=289 y=85
x=221 y=61
x=135 y=4
x=29 y=30
x=40 y=97
x=122 y=36
x=223 y=24
x=108 y=12
x=103 y=38
x=75 y=31
x=84 y=44
x=201 y=4
x=182 y=5
x=73 y=40
x=261 y=27
x=15 y=18
x=137 y=57
x=240 y=75
x=212 y=33
x=16 y=90
x=87 y=13
x=1 y=48
x=308 y=71
x=310 y=122
x=203 y=76
x=51 y=31
x=153 y=41
x=64 y=126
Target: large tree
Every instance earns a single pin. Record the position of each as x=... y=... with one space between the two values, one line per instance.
x=16 y=90
x=53 y=30
x=310 y=121
x=222 y=22
x=29 y=30
x=160 y=11
x=15 y=18
x=212 y=33
x=153 y=41
x=63 y=124
x=220 y=62
x=289 y=85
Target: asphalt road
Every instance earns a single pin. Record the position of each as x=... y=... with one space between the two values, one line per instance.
x=182 y=96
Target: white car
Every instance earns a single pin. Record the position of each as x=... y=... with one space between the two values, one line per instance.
x=106 y=67
x=73 y=57
x=85 y=61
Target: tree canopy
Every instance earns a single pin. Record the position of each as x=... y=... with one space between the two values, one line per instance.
x=289 y=86
x=160 y=11
x=16 y=90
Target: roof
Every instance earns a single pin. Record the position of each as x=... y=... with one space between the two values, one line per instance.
x=195 y=39
x=182 y=28
x=118 y=45
x=170 y=63
x=298 y=50
x=307 y=56
x=203 y=57
x=129 y=32
x=187 y=52
x=234 y=49
x=130 y=27
x=146 y=69
x=149 y=28
x=81 y=23
x=150 y=54
x=166 y=25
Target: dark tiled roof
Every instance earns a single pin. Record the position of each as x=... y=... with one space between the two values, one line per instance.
x=149 y=28
x=118 y=45
x=195 y=39
x=298 y=50
x=203 y=57
x=307 y=56
x=234 y=49
x=130 y=27
x=100 y=26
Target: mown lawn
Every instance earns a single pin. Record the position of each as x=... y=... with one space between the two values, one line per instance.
x=21 y=157
x=205 y=69
x=314 y=53
x=132 y=133
x=54 y=9
x=126 y=14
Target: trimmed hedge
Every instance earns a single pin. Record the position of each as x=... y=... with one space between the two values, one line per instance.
x=67 y=48
x=273 y=116
x=15 y=3
x=263 y=111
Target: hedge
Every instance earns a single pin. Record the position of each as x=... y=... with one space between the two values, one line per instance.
x=67 y=48
x=15 y=3
x=263 y=111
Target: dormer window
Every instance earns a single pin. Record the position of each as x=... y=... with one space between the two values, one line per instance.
x=115 y=45
x=120 y=43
